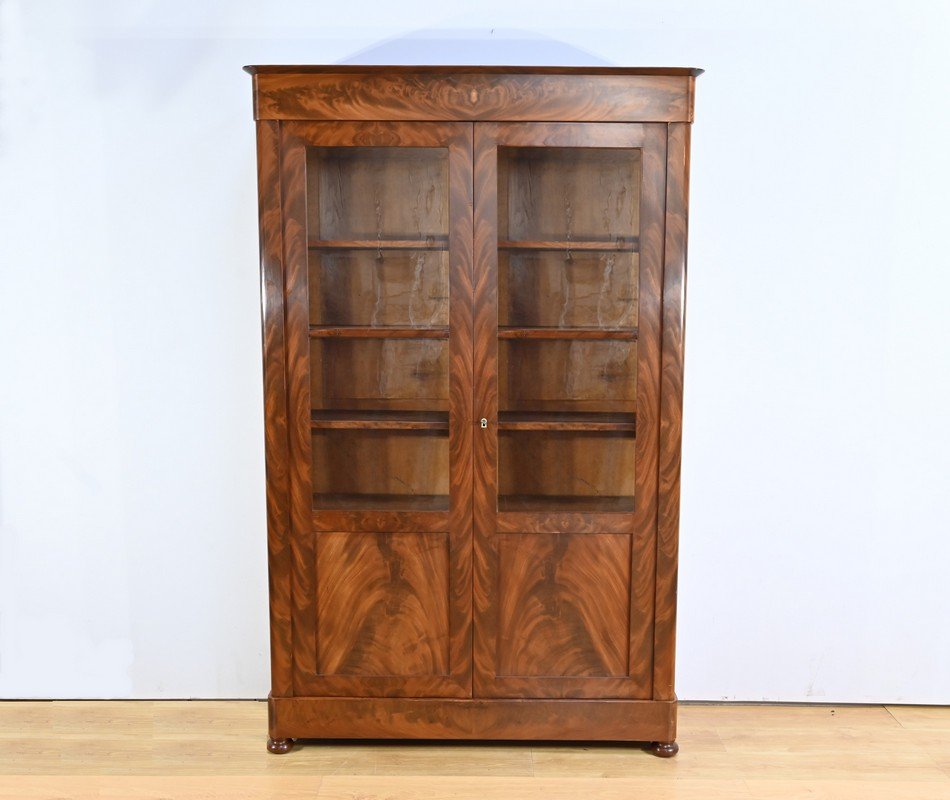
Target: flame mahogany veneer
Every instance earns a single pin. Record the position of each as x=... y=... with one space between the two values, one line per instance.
x=473 y=286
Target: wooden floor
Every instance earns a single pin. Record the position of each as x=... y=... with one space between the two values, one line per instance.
x=213 y=750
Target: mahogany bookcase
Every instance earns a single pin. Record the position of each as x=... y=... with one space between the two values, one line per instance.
x=473 y=308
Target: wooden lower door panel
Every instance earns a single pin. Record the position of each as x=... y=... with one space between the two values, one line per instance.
x=558 y=619
x=382 y=604
x=563 y=606
x=384 y=618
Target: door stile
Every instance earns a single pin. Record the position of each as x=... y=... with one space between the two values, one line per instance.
x=461 y=381
x=485 y=450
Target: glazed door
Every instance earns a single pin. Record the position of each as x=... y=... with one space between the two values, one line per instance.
x=568 y=273
x=377 y=251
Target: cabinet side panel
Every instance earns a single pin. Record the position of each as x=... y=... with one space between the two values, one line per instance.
x=275 y=406
x=297 y=322
x=671 y=409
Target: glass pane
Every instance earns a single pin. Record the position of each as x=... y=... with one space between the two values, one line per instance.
x=565 y=471
x=378 y=192
x=587 y=290
x=377 y=232
x=392 y=287
x=568 y=193
x=381 y=469
x=379 y=374
x=567 y=375
x=568 y=221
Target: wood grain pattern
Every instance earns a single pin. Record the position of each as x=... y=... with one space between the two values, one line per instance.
x=563 y=421
x=390 y=69
x=418 y=718
x=558 y=597
x=586 y=374
x=471 y=96
x=548 y=504
x=379 y=420
x=391 y=288
x=380 y=332
x=382 y=604
x=553 y=521
x=389 y=192
x=213 y=750
x=485 y=449
x=653 y=198
x=384 y=462
x=515 y=332
x=399 y=502
x=408 y=373
x=297 y=321
x=671 y=410
x=620 y=245
x=573 y=464
x=429 y=243
x=586 y=290
x=376 y=520
x=461 y=401
x=275 y=407
x=567 y=193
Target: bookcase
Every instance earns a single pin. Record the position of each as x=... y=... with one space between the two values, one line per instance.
x=473 y=308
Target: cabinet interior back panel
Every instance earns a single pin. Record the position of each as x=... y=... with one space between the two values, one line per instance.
x=377 y=192
x=568 y=193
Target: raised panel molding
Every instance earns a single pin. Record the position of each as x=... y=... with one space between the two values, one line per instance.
x=558 y=598
x=382 y=604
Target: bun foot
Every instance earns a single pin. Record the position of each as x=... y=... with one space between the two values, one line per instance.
x=279 y=746
x=664 y=749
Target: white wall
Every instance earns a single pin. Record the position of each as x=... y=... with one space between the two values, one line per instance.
x=815 y=506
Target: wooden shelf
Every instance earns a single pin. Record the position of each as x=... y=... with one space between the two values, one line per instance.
x=430 y=243
x=534 y=405
x=380 y=420
x=511 y=332
x=566 y=421
x=380 y=332
x=383 y=502
x=548 y=503
x=622 y=246
x=439 y=421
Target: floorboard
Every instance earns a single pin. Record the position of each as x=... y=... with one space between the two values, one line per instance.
x=191 y=750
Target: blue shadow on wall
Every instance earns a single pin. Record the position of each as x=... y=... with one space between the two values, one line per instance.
x=505 y=47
